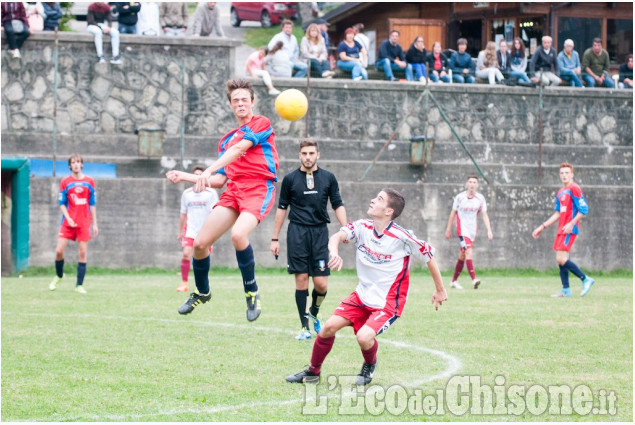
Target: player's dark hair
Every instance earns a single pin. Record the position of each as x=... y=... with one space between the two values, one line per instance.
x=309 y=142
x=393 y=31
x=198 y=167
x=75 y=156
x=472 y=176
x=597 y=40
x=238 y=83
x=566 y=165
x=395 y=201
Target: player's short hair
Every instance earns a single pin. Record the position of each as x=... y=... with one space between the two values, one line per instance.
x=597 y=40
x=566 y=165
x=395 y=201
x=472 y=176
x=238 y=83
x=461 y=41
x=75 y=156
x=286 y=22
x=395 y=31
x=198 y=167
x=309 y=142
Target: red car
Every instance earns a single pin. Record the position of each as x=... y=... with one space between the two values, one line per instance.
x=268 y=13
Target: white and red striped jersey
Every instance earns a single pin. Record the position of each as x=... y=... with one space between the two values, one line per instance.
x=197 y=206
x=383 y=262
x=467 y=209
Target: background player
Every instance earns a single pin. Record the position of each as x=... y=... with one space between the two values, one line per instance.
x=307 y=190
x=382 y=262
x=570 y=208
x=247 y=162
x=466 y=207
x=195 y=207
x=77 y=200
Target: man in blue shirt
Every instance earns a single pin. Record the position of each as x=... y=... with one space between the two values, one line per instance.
x=461 y=64
x=569 y=64
x=391 y=58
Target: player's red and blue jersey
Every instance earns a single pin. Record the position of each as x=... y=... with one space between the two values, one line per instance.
x=570 y=201
x=78 y=195
x=258 y=162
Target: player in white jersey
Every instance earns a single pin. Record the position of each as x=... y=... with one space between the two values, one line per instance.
x=195 y=207
x=467 y=206
x=382 y=261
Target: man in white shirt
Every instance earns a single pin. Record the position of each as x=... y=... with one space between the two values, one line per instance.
x=382 y=261
x=290 y=47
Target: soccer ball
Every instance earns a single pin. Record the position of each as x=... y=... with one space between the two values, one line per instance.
x=291 y=104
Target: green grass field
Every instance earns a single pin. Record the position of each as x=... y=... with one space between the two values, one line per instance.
x=123 y=353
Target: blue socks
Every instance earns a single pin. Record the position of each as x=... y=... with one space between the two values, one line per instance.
x=573 y=268
x=247 y=263
x=59 y=267
x=81 y=272
x=564 y=276
x=201 y=274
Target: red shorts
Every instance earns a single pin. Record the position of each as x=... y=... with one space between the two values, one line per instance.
x=354 y=310
x=465 y=243
x=564 y=242
x=253 y=196
x=78 y=233
x=190 y=242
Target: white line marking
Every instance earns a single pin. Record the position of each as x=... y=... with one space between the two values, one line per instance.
x=454 y=365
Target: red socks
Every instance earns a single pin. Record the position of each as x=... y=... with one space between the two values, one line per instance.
x=457 y=269
x=185 y=269
x=470 y=269
x=370 y=356
x=321 y=349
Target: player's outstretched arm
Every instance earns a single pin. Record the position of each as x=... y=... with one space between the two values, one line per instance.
x=440 y=294
x=335 y=261
x=176 y=176
x=538 y=230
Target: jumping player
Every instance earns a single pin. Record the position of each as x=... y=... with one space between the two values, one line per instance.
x=247 y=162
x=307 y=191
x=195 y=207
x=570 y=208
x=77 y=200
x=382 y=262
x=467 y=205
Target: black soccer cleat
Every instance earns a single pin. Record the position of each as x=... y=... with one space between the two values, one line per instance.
x=366 y=374
x=253 y=305
x=193 y=301
x=304 y=377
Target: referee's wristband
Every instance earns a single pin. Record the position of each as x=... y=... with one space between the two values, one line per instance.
x=274 y=240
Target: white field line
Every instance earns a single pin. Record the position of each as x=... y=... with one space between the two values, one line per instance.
x=453 y=366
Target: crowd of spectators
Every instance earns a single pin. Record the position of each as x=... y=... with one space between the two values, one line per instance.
x=285 y=57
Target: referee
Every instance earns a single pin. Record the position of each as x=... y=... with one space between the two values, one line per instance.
x=307 y=190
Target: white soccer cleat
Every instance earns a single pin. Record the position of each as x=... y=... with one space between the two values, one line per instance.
x=455 y=285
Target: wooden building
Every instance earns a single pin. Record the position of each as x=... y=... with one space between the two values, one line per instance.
x=480 y=22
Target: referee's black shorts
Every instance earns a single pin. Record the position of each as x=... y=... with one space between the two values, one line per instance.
x=307 y=249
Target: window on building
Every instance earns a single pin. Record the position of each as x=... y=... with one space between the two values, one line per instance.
x=502 y=28
x=531 y=31
x=619 y=43
x=581 y=30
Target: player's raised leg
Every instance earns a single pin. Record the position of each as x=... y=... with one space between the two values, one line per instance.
x=244 y=225
x=59 y=263
x=366 y=338
x=216 y=224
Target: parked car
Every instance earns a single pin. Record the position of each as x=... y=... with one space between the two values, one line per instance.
x=268 y=13
x=79 y=9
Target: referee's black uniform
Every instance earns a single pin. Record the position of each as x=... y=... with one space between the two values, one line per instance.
x=307 y=235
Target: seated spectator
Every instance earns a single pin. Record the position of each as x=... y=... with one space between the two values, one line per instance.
x=595 y=66
x=52 y=14
x=323 y=26
x=504 y=58
x=391 y=57
x=128 y=16
x=313 y=50
x=99 y=20
x=461 y=64
x=291 y=48
x=351 y=56
x=277 y=61
x=544 y=63
x=487 y=64
x=416 y=57
x=35 y=15
x=518 y=61
x=437 y=64
x=626 y=73
x=148 y=19
x=362 y=39
x=16 y=26
x=569 y=64
x=207 y=20
x=173 y=18
x=255 y=67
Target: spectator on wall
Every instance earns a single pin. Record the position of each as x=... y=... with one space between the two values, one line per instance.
x=291 y=48
x=313 y=50
x=362 y=39
x=35 y=15
x=52 y=14
x=99 y=20
x=255 y=66
x=277 y=61
x=16 y=26
x=128 y=16
x=595 y=66
x=350 y=56
x=391 y=58
x=148 y=19
x=461 y=64
x=173 y=18
x=626 y=73
x=544 y=64
x=207 y=21
x=519 y=61
x=438 y=64
x=504 y=58
x=416 y=56
x=569 y=64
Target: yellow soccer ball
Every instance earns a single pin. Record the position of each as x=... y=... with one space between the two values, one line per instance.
x=291 y=104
